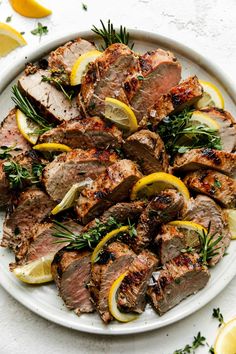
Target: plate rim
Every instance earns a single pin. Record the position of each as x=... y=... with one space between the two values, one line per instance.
x=31 y=55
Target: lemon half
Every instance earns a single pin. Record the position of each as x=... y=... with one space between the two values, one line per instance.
x=80 y=66
x=226 y=340
x=52 y=147
x=112 y=302
x=30 y=8
x=232 y=222
x=27 y=127
x=36 y=272
x=9 y=39
x=211 y=96
x=120 y=114
x=157 y=182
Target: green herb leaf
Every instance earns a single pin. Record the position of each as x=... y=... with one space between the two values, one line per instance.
x=217 y=314
x=110 y=35
x=84 y=7
x=40 y=30
x=17 y=174
x=198 y=341
x=217 y=183
x=5 y=151
x=8 y=19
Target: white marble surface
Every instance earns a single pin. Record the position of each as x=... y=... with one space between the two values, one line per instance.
x=207 y=26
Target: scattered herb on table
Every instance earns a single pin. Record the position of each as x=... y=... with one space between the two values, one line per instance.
x=58 y=83
x=198 y=341
x=5 y=151
x=110 y=35
x=84 y=7
x=22 y=33
x=8 y=19
x=40 y=30
x=218 y=315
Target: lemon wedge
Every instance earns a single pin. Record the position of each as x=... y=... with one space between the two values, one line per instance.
x=232 y=222
x=155 y=183
x=30 y=8
x=9 y=39
x=52 y=147
x=112 y=302
x=203 y=118
x=226 y=340
x=36 y=272
x=80 y=66
x=71 y=196
x=105 y=239
x=194 y=229
x=211 y=96
x=120 y=114
x=27 y=127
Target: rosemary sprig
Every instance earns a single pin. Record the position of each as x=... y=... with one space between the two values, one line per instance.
x=198 y=341
x=180 y=136
x=26 y=107
x=16 y=174
x=5 y=151
x=217 y=314
x=91 y=237
x=208 y=245
x=58 y=83
x=110 y=35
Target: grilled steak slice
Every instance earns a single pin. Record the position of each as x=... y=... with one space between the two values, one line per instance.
x=206 y=158
x=148 y=150
x=11 y=136
x=203 y=210
x=214 y=184
x=172 y=240
x=63 y=58
x=179 y=278
x=133 y=288
x=111 y=273
x=112 y=186
x=47 y=98
x=165 y=207
x=87 y=133
x=31 y=208
x=105 y=77
x=179 y=97
x=72 y=272
x=227 y=127
x=72 y=167
x=161 y=71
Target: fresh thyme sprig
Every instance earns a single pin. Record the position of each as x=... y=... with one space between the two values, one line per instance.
x=208 y=244
x=5 y=151
x=58 y=83
x=198 y=341
x=217 y=314
x=40 y=30
x=180 y=136
x=110 y=35
x=26 y=107
x=91 y=237
x=16 y=174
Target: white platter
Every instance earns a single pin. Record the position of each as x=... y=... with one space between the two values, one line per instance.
x=44 y=300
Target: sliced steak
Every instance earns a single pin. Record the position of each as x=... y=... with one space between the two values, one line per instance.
x=112 y=272
x=165 y=207
x=47 y=98
x=179 y=97
x=203 y=210
x=105 y=77
x=31 y=208
x=72 y=273
x=219 y=160
x=86 y=133
x=133 y=288
x=214 y=184
x=179 y=278
x=112 y=186
x=227 y=127
x=63 y=58
x=160 y=71
x=148 y=150
x=10 y=135
x=73 y=167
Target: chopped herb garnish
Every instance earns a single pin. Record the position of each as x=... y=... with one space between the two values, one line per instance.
x=37 y=170
x=22 y=33
x=110 y=35
x=5 y=151
x=84 y=7
x=198 y=341
x=217 y=314
x=217 y=183
x=140 y=77
x=40 y=30
x=211 y=350
x=8 y=19
x=58 y=83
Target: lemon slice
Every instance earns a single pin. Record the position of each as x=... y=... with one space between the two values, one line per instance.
x=80 y=66
x=120 y=114
x=30 y=8
x=105 y=239
x=232 y=222
x=203 y=118
x=9 y=39
x=52 y=147
x=27 y=127
x=226 y=340
x=71 y=196
x=155 y=183
x=112 y=302
x=189 y=225
x=211 y=96
x=37 y=272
